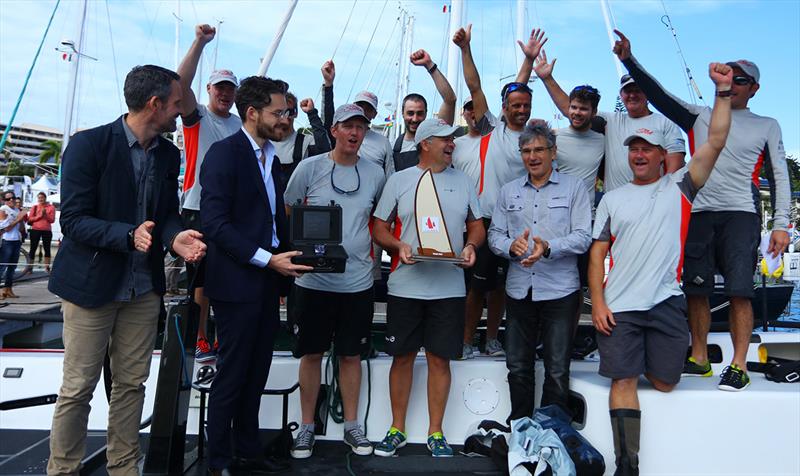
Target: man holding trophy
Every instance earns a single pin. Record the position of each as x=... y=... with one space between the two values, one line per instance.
x=429 y=205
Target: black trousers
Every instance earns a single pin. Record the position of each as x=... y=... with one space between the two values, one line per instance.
x=551 y=323
x=246 y=334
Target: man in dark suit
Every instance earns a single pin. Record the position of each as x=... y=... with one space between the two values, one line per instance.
x=243 y=218
x=119 y=212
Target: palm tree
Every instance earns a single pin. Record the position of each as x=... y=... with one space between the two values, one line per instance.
x=52 y=150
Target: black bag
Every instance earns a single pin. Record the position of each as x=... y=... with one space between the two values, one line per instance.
x=787 y=371
x=281 y=445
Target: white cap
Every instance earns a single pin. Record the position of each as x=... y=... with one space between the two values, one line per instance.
x=648 y=135
x=748 y=67
x=223 y=75
x=367 y=97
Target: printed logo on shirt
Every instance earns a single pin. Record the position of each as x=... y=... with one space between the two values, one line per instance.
x=644 y=131
x=429 y=224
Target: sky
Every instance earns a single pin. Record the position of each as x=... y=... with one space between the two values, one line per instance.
x=363 y=38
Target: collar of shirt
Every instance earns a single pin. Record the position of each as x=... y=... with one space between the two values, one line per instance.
x=132 y=140
x=554 y=178
x=268 y=150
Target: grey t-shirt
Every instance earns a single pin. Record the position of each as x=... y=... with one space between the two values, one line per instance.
x=377 y=149
x=619 y=125
x=311 y=183
x=646 y=225
x=459 y=203
x=197 y=140
x=467 y=158
x=284 y=149
x=579 y=154
x=503 y=160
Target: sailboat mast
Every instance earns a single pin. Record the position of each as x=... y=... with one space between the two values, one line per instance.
x=522 y=34
x=610 y=30
x=262 y=70
x=73 y=79
x=402 y=71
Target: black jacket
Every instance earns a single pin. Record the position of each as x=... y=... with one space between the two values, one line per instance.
x=236 y=219
x=98 y=209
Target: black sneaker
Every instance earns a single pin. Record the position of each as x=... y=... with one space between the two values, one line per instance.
x=734 y=379
x=692 y=369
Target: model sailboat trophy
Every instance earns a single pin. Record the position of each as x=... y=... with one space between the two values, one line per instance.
x=434 y=242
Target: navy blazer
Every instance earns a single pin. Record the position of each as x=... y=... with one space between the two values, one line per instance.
x=236 y=219
x=98 y=209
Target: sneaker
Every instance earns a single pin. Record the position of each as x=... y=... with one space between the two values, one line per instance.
x=734 y=379
x=438 y=446
x=467 y=352
x=356 y=440
x=203 y=351
x=494 y=348
x=303 y=444
x=394 y=440
x=692 y=369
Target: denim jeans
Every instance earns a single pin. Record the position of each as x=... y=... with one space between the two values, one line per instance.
x=9 y=257
x=553 y=324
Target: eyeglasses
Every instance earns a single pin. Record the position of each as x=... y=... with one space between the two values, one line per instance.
x=742 y=80
x=345 y=192
x=511 y=87
x=534 y=150
x=8 y=198
x=586 y=88
x=293 y=112
x=285 y=114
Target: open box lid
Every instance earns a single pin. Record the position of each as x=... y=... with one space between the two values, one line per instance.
x=315 y=225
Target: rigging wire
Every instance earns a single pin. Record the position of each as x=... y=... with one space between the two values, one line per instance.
x=336 y=48
x=690 y=82
x=353 y=44
x=443 y=55
x=388 y=39
x=27 y=78
x=152 y=23
x=114 y=58
x=392 y=60
x=369 y=44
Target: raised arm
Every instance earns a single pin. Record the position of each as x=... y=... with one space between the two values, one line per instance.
x=447 y=111
x=462 y=39
x=321 y=142
x=328 y=75
x=706 y=156
x=544 y=71
x=203 y=34
x=531 y=51
x=676 y=110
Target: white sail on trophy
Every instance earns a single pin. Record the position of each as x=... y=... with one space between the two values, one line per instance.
x=434 y=242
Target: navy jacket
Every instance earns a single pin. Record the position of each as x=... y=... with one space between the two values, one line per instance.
x=98 y=209
x=236 y=219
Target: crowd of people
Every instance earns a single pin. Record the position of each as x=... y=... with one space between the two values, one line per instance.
x=519 y=201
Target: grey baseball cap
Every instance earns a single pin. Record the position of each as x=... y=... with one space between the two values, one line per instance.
x=748 y=67
x=648 y=135
x=223 y=75
x=348 y=111
x=433 y=128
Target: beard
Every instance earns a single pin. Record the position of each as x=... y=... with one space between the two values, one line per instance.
x=274 y=133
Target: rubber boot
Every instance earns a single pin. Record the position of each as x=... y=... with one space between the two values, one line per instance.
x=625 y=426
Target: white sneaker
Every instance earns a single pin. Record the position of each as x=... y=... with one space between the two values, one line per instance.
x=467 y=352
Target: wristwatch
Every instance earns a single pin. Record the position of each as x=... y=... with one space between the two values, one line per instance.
x=546 y=253
x=131 y=245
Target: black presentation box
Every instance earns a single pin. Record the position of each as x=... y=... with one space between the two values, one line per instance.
x=316 y=231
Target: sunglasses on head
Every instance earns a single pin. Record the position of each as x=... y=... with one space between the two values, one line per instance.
x=742 y=80
x=512 y=87
x=586 y=88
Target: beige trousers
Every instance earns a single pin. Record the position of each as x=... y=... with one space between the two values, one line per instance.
x=128 y=331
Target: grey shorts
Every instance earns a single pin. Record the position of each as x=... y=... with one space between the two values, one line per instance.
x=650 y=342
